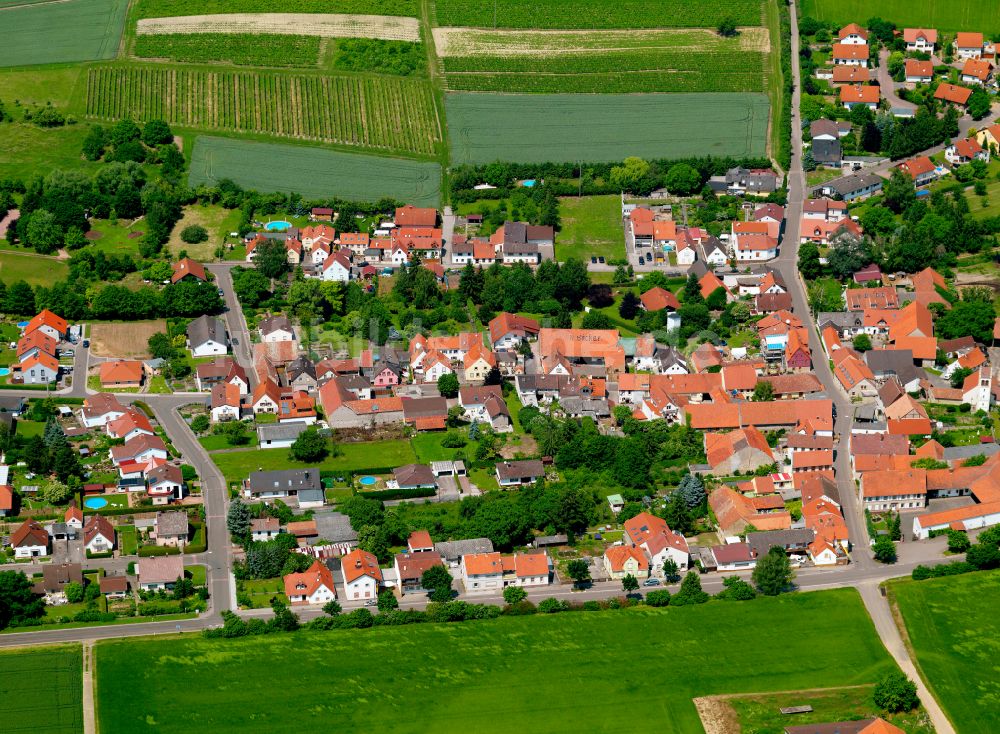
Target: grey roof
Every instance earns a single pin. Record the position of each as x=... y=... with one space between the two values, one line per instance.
x=544 y=540
x=299 y=366
x=171 y=523
x=954 y=453
x=335 y=527
x=865 y=412
x=424 y=407
x=206 y=328
x=279 y=431
x=827 y=151
x=898 y=362
x=854 y=183
x=290 y=480
x=453 y=550
x=414 y=475
x=274 y=323
x=522 y=233
x=760 y=543
x=840 y=320
x=520 y=469
x=310 y=495
x=589 y=407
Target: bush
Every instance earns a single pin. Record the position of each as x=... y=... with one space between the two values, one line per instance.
x=194 y=234
x=895 y=693
x=658 y=598
x=552 y=605
x=147 y=551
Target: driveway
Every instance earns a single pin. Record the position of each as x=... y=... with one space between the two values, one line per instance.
x=888 y=85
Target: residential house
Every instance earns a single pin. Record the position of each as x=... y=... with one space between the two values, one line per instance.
x=337 y=268
x=410 y=568
x=164 y=484
x=206 y=337
x=263 y=529
x=478 y=363
x=224 y=369
x=969 y=45
x=482 y=571
x=713 y=253
x=989 y=138
x=920 y=40
x=50 y=324
x=98 y=535
x=121 y=373
x=266 y=398
x=527 y=569
x=37 y=342
x=919 y=72
x=856 y=187
x=824 y=129
x=30 y=540
x=414 y=476
x=114 y=587
x=55 y=578
x=302 y=487
x=516 y=473
x=849 y=74
x=953 y=94
x=39 y=369
x=425 y=414
x=827 y=152
x=171 y=528
x=743 y=450
x=855 y=377
x=853 y=35
x=849 y=54
x=733 y=557
x=300 y=373
x=188 y=269
x=129 y=425
x=966 y=150
x=411 y=216
x=226 y=400
x=98 y=410
x=142 y=448
x=362 y=575
x=593 y=347
x=315 y=585
x=977 y=71
x=899 y=489
x=508 y=330
x=625 y=560
x=276 y=329
x=485 y=405
x=658 y=299
x=736 y=181
x=734 y=511
x=159 y=572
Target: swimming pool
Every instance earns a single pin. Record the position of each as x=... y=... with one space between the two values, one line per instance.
x=95 y=503
x=277 y=226
x=4 y=371
x=367 y=481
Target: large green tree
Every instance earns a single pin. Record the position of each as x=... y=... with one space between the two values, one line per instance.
x=18 y=600
x=773 y=572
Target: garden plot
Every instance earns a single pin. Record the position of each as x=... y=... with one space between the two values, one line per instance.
x=384 y=27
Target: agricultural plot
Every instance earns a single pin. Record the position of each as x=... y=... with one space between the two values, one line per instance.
x=953 y=15
x=165 y=8
x=42 y=690
x=75 y=30
x=534 y=673
x=596 y=13
x=290 y=24
x=486 y=127
x=239 y=49
x=603 y=62
x=385 y=113
x=313 y=172
x=953 y=628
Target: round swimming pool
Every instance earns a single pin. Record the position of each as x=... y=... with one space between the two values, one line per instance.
x=95 y=503
x=367 y=481
x=278 y=226
x=4 y=371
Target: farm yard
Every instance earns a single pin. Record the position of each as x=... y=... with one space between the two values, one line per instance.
x=596 y=13
x=953 y=15
x=314 y=172
x=539 y=671
x=165 y=8
x=126 y=340
x=487 y=127
x=75 y=30
x=953 y=630
x=695 y=60
x=344 y=110
x=42 y=690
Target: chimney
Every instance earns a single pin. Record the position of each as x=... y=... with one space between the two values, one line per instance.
x=357 y=563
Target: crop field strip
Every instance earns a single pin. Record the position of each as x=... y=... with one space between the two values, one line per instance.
x=313 y=172
x=42 y=690
x=596 y=13
x=76 y=30
x=239 y=49
x=385 y=27
x=567 y=127
x=944 y=15
x=384 y=113
x=166 y=8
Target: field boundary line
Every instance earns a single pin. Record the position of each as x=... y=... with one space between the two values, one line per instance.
x=89 y=701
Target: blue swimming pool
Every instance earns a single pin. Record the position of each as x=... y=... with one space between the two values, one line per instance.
x=278 y=226
x=4 y=371
x=367 y=481
x=94 y=503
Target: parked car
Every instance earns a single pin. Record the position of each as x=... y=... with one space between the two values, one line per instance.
x=371 y=603
x=68 y=353
x=651 y=582
x=86 y=343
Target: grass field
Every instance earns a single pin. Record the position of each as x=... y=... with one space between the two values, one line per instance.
x=954 y=629
x=25 y=149
x=239 y=49
x=693 y=60
x=168 y=8
x=950 y=15
x=313 y=172
x=127 y=340
x=42 y=690
x=76 y=30
x=591 y=225
x=488 y=127
x=33 y=269
x=344 y=110
x=544 y=673
x=218 y=221
x=595 y=13
x=237 y=465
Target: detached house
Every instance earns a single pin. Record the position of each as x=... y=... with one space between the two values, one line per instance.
x=188 y=269
x=30 y=540
x=624 y=560
x=206 y=337
x=848 y=54
x=508 y=330
x=49 y=323
x=98 y=535
x=921 y=169
x=952 y=94
x=919 y=72
x=969 y=45
x=920 y=40
x=362 y=575
x=853 y=35
x=98 y=410
x=858 y=95
x=313 y=586
x=516 y=473
x=126 y=373
x=965 y=151
x=977 y=71
x=276 y=329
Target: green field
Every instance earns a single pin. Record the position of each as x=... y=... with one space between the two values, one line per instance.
x=595 y=13
x=237 y=465
x=608 y=62
x=34 y=269
x=42 y=690
x=591 y=225
x=235 y=48
x=345 y=110
x=953 y=627
x=76 y=30
x=945 y=15
x=553 y=674
x=314 y=172
x=488 y=127
x=169 y=8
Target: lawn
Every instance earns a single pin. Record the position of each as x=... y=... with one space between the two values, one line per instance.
x=215 y=442
x=197 y=574
x=352 y=457
x=315 y=173
x=954 y=630
x=118 y=238
x=27 y=429
x=591 y=226
x=42 y=689
x=261 y=591
x=218 y=221
x=128 y=540
x=540 y=673
x=77 y=30
x=604 y=127
x=34 y=269
x=428 y=448
x=953 y=15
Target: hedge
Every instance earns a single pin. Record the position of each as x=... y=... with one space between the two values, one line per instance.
x=400 y=494
x=158 y=550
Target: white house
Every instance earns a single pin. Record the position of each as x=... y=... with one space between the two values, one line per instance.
x=969 y=45
x=755 y=247
x=313 y=586
x=964 y=151
x=686 y=253
x=482 y=571
x=263 y=529
x=225 y=402
x=921 y=40
x=337 y=268
x=714 y=252
x=98 y=535
x=165 y=483
x=206 y=337
x=362 y=575
x=666 y=545
x=276 y=329
x=39 y=369
x=30 y=540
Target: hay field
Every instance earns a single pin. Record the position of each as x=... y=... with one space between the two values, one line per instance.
x=50 y=33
